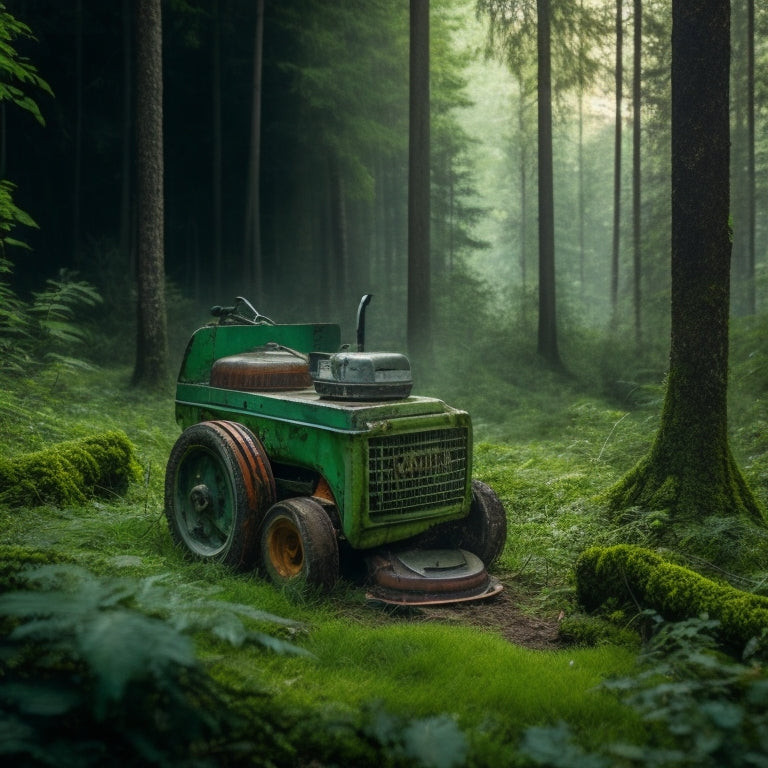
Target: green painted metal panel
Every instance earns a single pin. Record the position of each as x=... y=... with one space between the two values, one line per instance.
x=307 y=407
x=214 y=341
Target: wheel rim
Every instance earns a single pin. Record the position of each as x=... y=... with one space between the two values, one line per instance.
x=205 y=501
x=285 y=549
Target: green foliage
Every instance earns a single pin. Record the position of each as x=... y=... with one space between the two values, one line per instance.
x=699 y=708
x=49 y=329
x=18 y=74
x=46 y=329
x=16 y=560
x=69 y=473
x=10 y=216
x=54 y=313
x=103 y=672
x=702 y=708
x=594 y=630
x=624 y=574
x=375 y=736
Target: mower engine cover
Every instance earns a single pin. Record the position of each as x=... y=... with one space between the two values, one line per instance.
x=361 y=375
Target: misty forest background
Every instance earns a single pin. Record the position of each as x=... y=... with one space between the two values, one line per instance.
x=286 y=180
x=333 y=171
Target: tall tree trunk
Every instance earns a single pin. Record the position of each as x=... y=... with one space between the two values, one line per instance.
x=751 y=303
x=523 y=229
x=216 y=160
x=547 y=341
x=252 y=265
x=419 y=278
x=126 y=209
x=152 y=347
x=338 y=235
x=581 y=211
x=637 y=74
x=78 y=136
x=690 y=472
x=581 y=87
x=619 y=70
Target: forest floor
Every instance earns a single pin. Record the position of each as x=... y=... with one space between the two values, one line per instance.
x=503 y=614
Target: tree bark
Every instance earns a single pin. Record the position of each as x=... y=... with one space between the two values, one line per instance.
x=216 y=160
x=690 y=471
x=77 y=176
x=617 y=164
x=751 y=301
x=152 y=347
x=419 y=277
x=547 y=341
x=637 y=74
x=126 y=209
x=252 y=266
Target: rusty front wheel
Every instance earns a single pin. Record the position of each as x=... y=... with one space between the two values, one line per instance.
x=299 y=545
x=218 y=485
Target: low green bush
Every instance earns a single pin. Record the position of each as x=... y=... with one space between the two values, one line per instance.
x=698 y=707
x=69 y=473
x=625 y=574
x=15 y=560
x=592 y=631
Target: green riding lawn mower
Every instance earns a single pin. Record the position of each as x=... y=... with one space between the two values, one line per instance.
x=307 y=459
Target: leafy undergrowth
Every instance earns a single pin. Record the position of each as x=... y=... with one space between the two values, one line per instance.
x=548 y=456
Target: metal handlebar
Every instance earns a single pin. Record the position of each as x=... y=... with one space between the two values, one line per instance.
x=235 y=314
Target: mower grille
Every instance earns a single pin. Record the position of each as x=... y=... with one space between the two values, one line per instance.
x=416 y=471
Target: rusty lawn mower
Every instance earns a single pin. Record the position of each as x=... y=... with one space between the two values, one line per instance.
x=299 y=455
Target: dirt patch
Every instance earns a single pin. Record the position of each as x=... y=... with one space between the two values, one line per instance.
x=506 y=614
x=502 y=614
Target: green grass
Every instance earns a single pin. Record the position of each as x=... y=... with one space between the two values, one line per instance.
x=547 y=454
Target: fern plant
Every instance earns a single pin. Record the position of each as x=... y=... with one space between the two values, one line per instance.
x=49 y=330
x=103 y=672
x=18 y=73
x=14 y=320
x=55 y=312
x=699 y=706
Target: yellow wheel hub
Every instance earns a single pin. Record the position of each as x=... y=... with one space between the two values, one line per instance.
x=286 y=551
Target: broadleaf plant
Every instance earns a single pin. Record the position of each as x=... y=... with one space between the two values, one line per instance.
x=92 y=667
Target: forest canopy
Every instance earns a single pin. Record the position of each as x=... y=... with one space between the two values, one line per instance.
x=333 y=173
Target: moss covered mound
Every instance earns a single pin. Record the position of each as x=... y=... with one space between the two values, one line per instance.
x=627 y=574
x=69 y=473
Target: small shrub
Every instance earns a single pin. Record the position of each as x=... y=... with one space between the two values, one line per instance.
x=69 y=473
x=49 y=330
x=699 y=708
x=102 y=672
x=591 y=631
x=16 y=560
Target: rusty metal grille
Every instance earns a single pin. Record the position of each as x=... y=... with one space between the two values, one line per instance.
x=416 y=471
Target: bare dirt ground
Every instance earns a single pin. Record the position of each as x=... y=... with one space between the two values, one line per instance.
x=505 y=614
x=502 y=614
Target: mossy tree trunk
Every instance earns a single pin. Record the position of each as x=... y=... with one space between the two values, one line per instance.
x=151 y=367
x=690 y=471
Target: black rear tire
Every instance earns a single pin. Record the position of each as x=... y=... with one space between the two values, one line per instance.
x=484 y=531
x=218 y=485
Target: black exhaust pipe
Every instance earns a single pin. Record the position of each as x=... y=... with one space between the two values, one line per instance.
x=364 y=302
